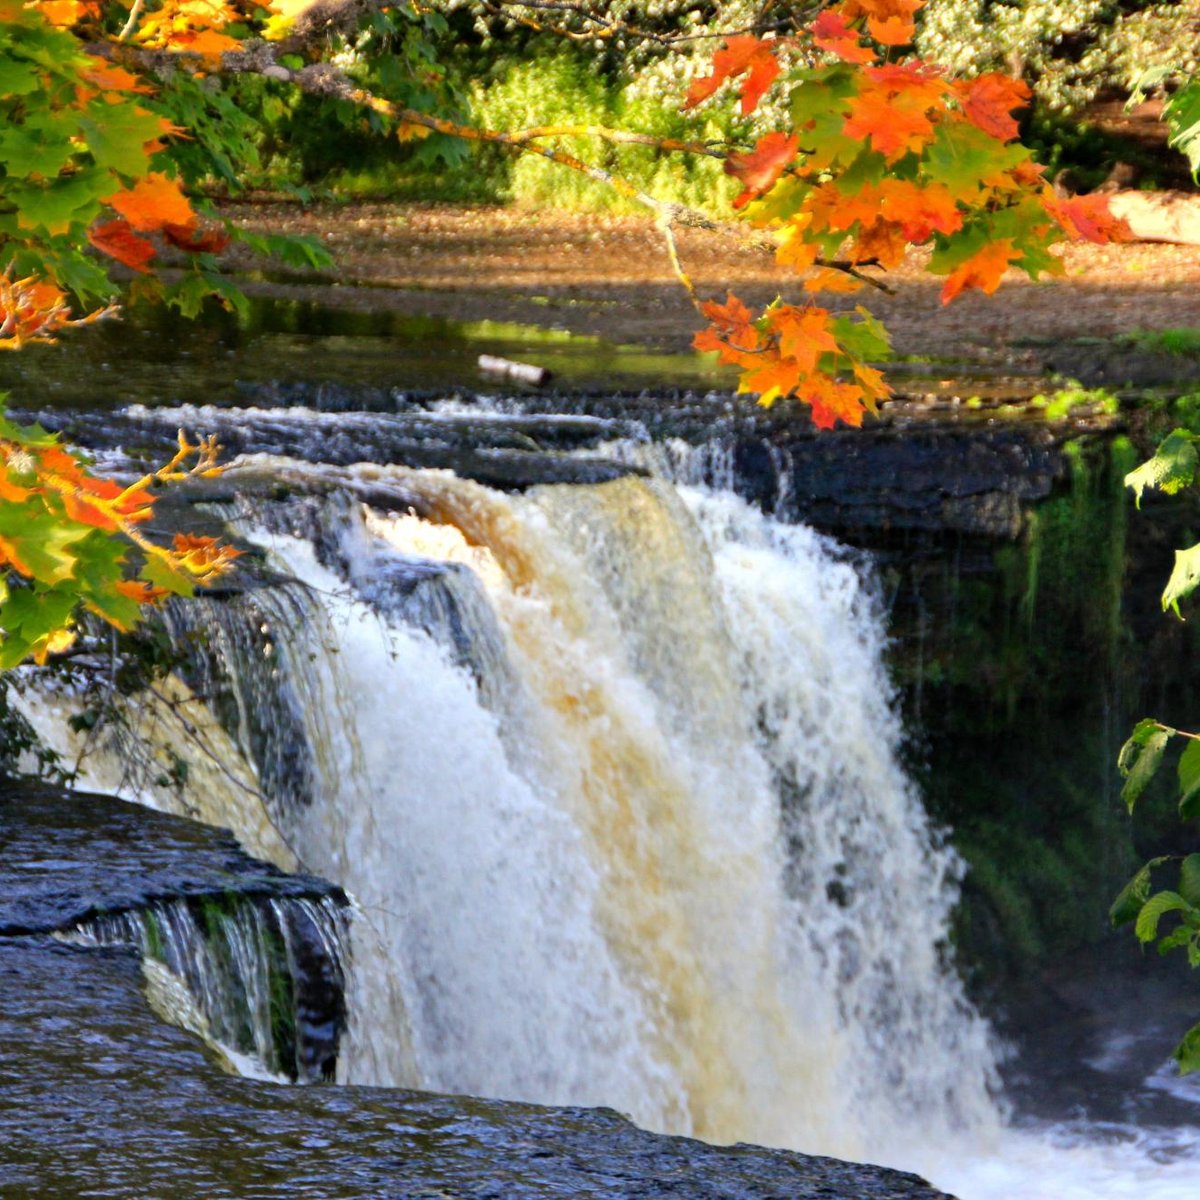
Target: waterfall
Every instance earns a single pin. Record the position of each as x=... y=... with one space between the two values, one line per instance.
x=612 y=774
x=264 y=976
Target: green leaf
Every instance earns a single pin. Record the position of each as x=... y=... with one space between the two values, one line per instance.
x=41 y=541
x=117 y=138
x=953 y=251
x=1154 y=910
x=1182 y=115
x=61 y=202
x=1134 y=894
x=1143 y=761
x=1187 y=1053
x=1145 y=82
x=964 y=157
x=1172 y=467
x=161 y=574
x=1189 y=781
x=23 y=152
x=17 y=78
x=1184 y=578
x=1189 y=880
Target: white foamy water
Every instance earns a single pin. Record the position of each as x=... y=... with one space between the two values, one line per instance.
x=613 y=774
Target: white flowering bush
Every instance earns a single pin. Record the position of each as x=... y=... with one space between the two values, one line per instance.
x=1069 y=51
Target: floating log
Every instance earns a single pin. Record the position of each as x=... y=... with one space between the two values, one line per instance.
x=506 y=368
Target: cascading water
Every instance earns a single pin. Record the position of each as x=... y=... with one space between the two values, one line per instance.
x=612 y=774
x=244 y=963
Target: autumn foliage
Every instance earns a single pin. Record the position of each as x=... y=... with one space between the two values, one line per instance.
x=84 y=164
x=883 y=153
x=880 y=152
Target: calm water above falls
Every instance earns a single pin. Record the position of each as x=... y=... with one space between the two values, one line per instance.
x=613 y=775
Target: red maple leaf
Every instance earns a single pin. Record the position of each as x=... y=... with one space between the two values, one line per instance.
x=742 y=55
x=760 y=168
x=117 y=239
x=989 y=101
x=831 y=32
x=1087 y=218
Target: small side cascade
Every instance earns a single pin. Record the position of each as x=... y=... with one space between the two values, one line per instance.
x=266 y=976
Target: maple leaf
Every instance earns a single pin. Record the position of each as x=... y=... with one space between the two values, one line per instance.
x=1087 y=218
x=882 y=242
x=919 y=82
x=152 y=202
x=760 y=168
x=920 y=211
x=741 y=55
x=889 y=21
x=803 y=334
x=66 y=13
x=983 y=270
x=141 y=590
x=108 y=77
x=204 y=557
x=733 y=322
x=211 y=240
x=833 y=400
x=893 y=128
x=117 y=239
x=831 y=32
x=827 y=279
x=795 y=250
x=989 y=100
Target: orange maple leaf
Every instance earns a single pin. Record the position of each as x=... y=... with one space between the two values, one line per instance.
x=893 y=128
x=203 y=557
x=108 y=77
x=983 y=270
x=920 y=210
x=141 y=591
x=827 y=279
x=731 y=317
x=889 y=21
x=760 y=168
x=65 y=13
x=803 y=335
x=882 y=242
x=742 y=55
x=794 y=249
x=152 y=202
x=117 y=239
x=989 y=100
x=833 y=400
x=831 y=32
x=1087 y=218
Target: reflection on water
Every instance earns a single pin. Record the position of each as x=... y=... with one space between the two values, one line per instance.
x=301 y=352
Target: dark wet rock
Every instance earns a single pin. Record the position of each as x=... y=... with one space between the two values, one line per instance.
x=66 y=857
x=963 y=480
x=81 y=1047
x=186 y=895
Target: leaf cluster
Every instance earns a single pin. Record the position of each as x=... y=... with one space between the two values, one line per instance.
x=71 y=540
x=882 y=153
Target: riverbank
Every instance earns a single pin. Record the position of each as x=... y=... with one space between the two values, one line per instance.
x=610 y=277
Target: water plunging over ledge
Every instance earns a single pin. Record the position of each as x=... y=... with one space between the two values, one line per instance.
x=612 y=773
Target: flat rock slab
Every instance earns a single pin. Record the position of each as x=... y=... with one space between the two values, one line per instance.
x=66 y=857
x=100 y=1099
